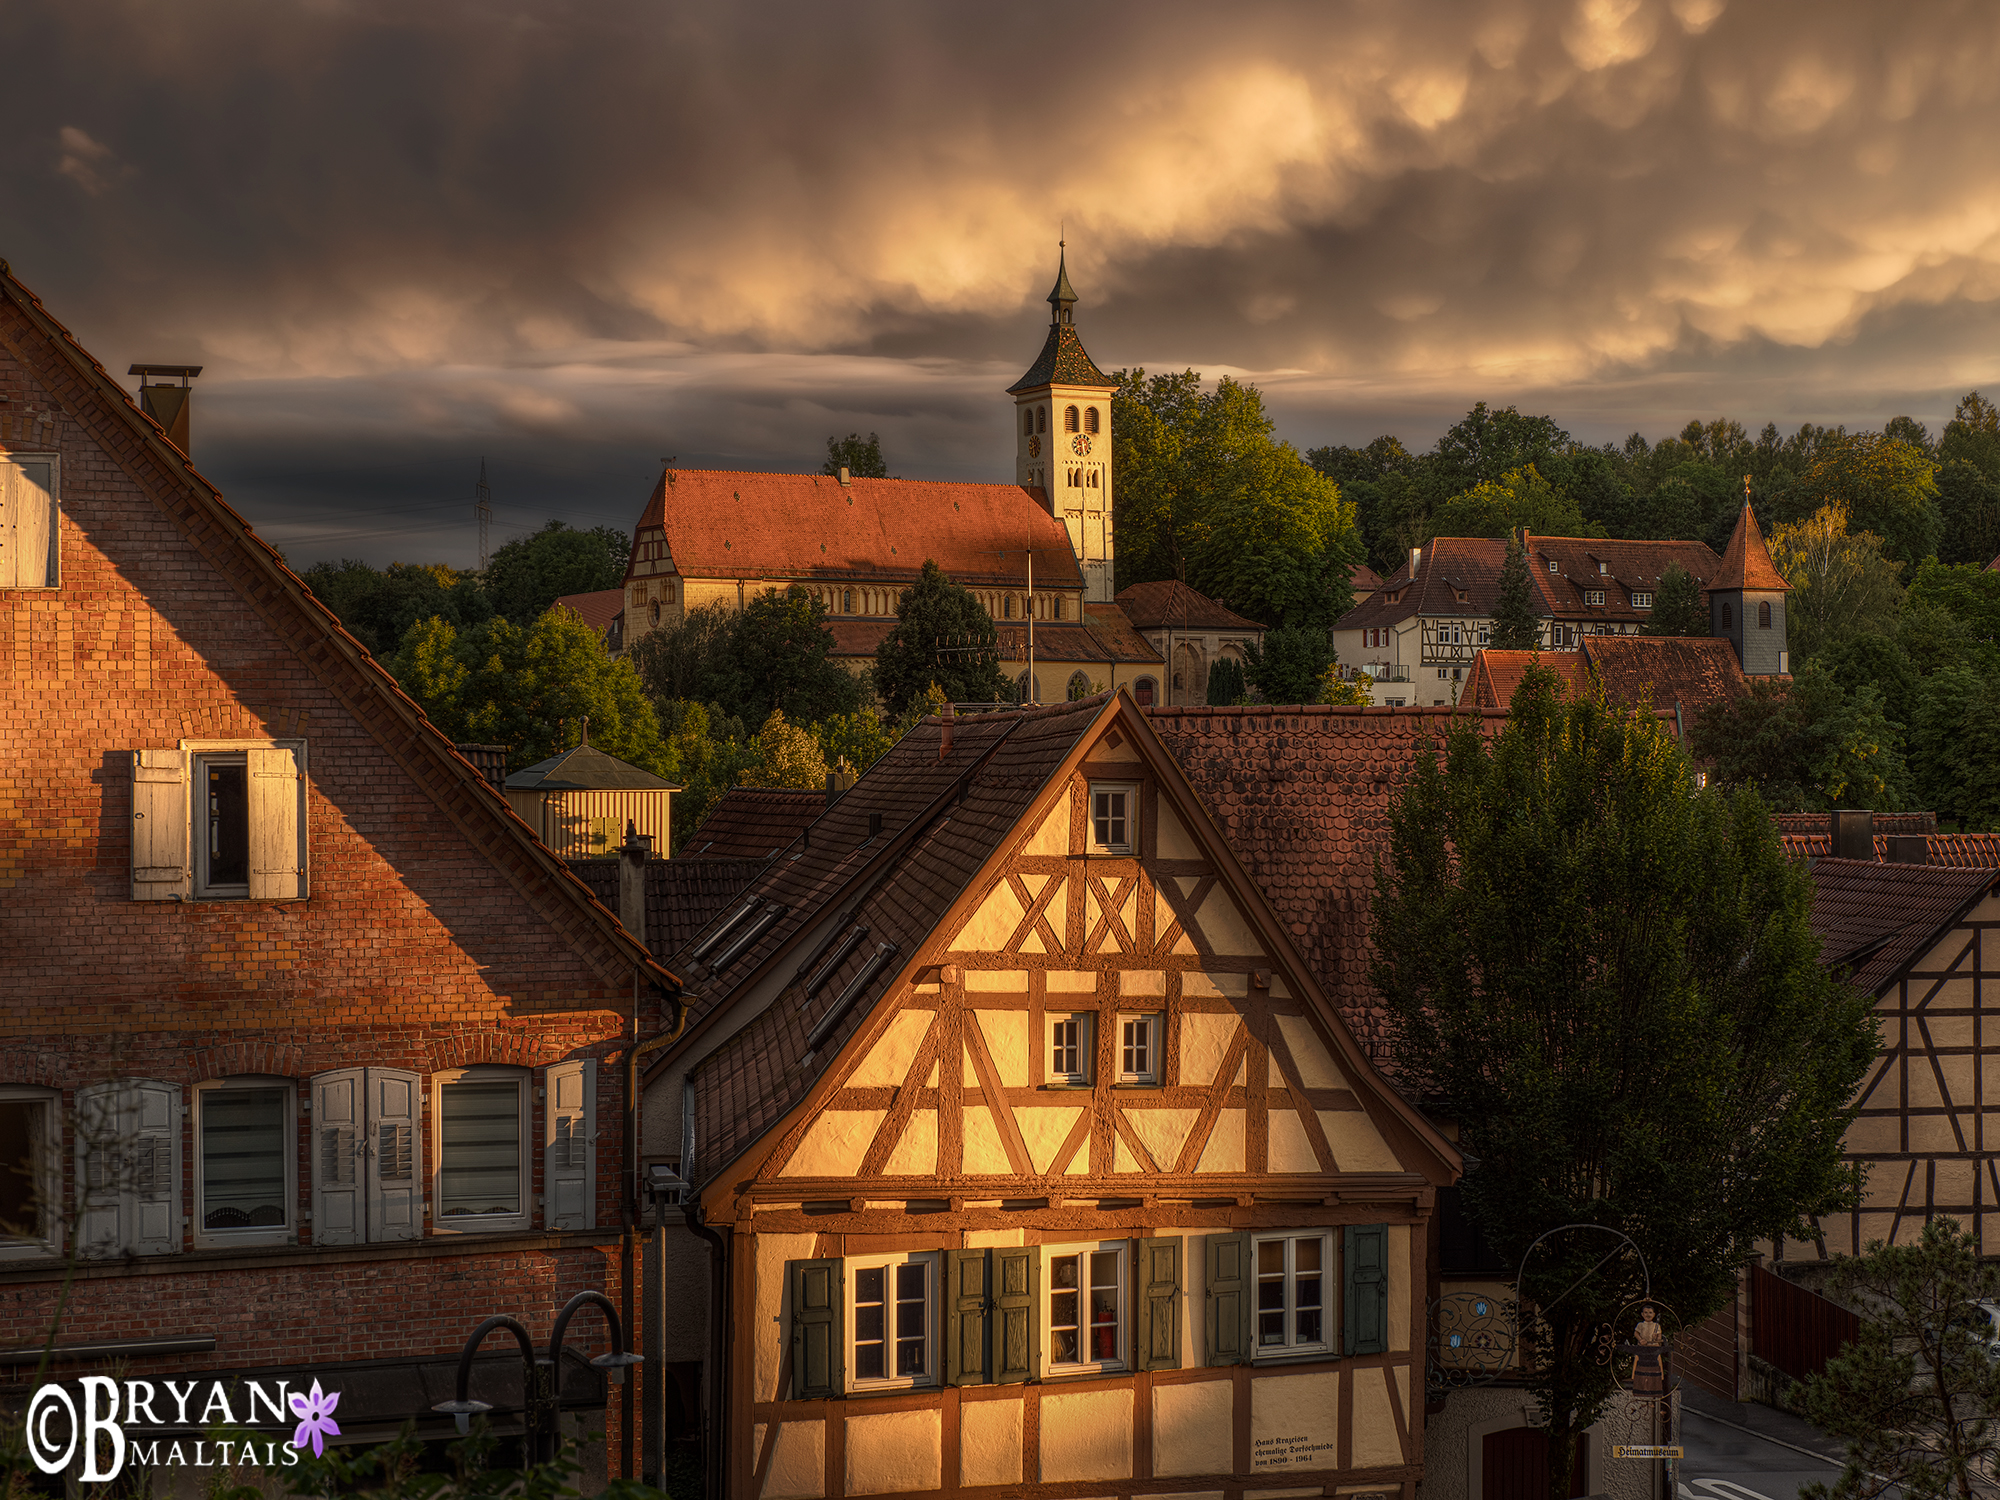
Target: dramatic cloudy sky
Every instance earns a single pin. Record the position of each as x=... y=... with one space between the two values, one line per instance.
x=575 y=238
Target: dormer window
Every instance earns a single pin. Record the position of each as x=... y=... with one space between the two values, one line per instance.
x=1593 y=596
x=1552 y=566
x=1603 y=568
x=1642 y=601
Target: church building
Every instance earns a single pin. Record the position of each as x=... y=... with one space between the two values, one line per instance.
x=1037 y=553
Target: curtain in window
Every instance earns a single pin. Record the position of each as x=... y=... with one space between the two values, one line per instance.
x=243 y=1158
x=480 y=1169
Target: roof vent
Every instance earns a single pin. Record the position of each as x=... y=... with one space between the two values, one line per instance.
x=844 y=475
x=1854 y=834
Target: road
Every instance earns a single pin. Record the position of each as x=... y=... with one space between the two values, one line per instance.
x=1724 y=1462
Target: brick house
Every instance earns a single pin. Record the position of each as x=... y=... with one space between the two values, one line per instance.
x=314 y=1053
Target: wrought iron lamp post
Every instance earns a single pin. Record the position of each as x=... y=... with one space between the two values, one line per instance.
x=540 y=1374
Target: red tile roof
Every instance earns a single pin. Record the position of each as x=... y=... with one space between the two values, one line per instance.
x=1171 y=604
x=1118 y=636
x=727 y=523
x=754 y=822
x=1692 y=672
x=1876 y=919
x=1960 y=850
x=858 y=637
x=597 y=609
x=1496 y=674
x=1746 y=562
x=1885 y=822
x=1364 y=579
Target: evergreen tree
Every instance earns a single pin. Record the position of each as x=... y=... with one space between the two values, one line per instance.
x=1515 y=626
x=1287 y=667
x=942 y=635
x=1678 y=608
x=862 y=459
x=1611 y=980
x=1226 y=685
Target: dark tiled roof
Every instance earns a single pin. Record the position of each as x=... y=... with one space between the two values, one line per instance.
x=1693 y=672
x=682 y=895
x=1877 y=918
x=598 y=609
x=754 y=822
x=1157 y=606
x=1364 y=579
x=1746 y=562
x=1960 y=850
x=1062 y=362
x=587 y=769
x=858 y=637
x=726 y=523
x=1115 y=633
x=1885 y=822
x=1496 y=674
x=942 y=817
x=1302 y=796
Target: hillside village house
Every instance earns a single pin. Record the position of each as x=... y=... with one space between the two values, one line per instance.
x=1191 y=633
x=314 y=1053
x=1028 y=1156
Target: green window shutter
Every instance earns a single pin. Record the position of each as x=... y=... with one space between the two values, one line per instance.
x=1157 y=1341
x=1016 y=1347
x=816 y=1328
x=1365 y=1303
x=966 y=1300
x=1228 y=1302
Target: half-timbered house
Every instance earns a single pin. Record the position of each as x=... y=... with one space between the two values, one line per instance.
x=1031 y=1157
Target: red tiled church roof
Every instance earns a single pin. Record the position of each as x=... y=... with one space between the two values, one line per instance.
x=597 y=610
x=1693 y=672
x=1746 y=562
x=1496 y=674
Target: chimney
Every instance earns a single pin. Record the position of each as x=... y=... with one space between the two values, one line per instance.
x=632 y=857
x=1909 y=849
x=948 y=719
x=165 y=402
x=838 y=780
x=1416 y=561
x=1854 y=834
x=844 y=475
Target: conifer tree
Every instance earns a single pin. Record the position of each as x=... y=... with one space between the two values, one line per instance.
x=1677 y=605
x=1515 y=627
x=944 y=637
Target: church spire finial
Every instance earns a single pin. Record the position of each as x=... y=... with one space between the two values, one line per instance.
x=1062 y=300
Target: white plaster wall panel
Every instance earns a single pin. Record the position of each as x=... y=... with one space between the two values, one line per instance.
x=1006 y=1033
x=1197 y=985
x=915 y=1153
x=979 y=1239
x=1357 y=1145
x=1223 y=925
x=1224 y=1151
x=1051 y=835
x=989 y=1442
x=1399 y=1289
x=835 y=1143
x=1163 y=1132
x=894 y=1452
x=1315 y=1064
x=1289 y=1421
x=988 y=928
x=985 y=1153
x=1142 y=982
x=1071 y=980
x=888 y=1061
x=1289 y=1148
x=997 y=981
x=1171 y=839
x=798 y=1462
x=773 y=1250
x=1204 y=1041
x=1044 y=1131
x=1194 y=1427
x=1122 y=1159
x=1086 y=1435
x=1375 y=1442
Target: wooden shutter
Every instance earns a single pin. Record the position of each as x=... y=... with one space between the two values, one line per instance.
x=277 y=865
x=392 y=1157
x=337 y=1181
x=1365 y=1289
x=966 y=1302
x=153 y=1169
x=160 y=825
x=816 y=1328
x=1016 y=1339
x=99 y=1164
x=1230 y=1283
x=1156 y=1342
x=569 y=1146
x=28 y=545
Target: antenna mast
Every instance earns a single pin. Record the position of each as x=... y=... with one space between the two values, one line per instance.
x=482 y=508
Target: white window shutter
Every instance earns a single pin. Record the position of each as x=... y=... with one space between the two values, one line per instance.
x=395 y=1157
x=153 y=1169
x=337 y=1118
x=99 y=1164
x=27 y=526
x=569 y=1146
x=160 y=825
x=277 y=866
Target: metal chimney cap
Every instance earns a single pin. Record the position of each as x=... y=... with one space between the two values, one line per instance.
x=186 y=372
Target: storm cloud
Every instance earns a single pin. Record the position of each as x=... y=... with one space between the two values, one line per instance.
x=579 y=238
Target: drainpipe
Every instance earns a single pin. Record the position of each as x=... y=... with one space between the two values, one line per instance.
x=628 y=1205
x=714 y=1425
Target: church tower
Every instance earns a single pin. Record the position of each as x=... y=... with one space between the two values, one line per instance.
x=1062 y=439
x=1746 y=600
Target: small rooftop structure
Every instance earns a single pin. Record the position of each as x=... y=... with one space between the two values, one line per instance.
x=580 y=802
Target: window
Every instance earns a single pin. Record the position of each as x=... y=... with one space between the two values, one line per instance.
x=1642 y=601
x=128 y=1168
x=1728 y=619
x=847 y=601
x=1112 y=806
x=245 y=1162
x=30 y=1172
x=1069 y=419
x=1086 y=1291
x=1552 y=566
x=1292 y=1311
x=1092 y=483
x=1070 y=1049
x=1144 y=692
x=1604 y=567
x=1007 y=610
x=1075 y=479
x=367 y=1166
x=656 y=612
x=1027 y=421
x=30 y=529
x=1079 y=686
x=1090 y=419
x=1764 y=614
x=219 y=821
x=1055 y=606
x=1593 y=596
x=482 y=1163
x=1041 y=419
x=1139 y=1049
x=895 y=1334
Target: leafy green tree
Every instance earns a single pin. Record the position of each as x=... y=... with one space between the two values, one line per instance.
x=707 y=753
x=1917 y=1397
x=786 y=756
x=859 y=738
x=1610 y=979
x=689 y=659
x=1886 y=487
x=1969 y=594
x=1973 y=436
x=1842 y=585
x=1969 y=504
x=1485 y=445
x=1955 y=747
x=1805 y=746
x=1516 y=626
x=942 y=635
x=862 y=459
x=530 y=690
x=781 y=656
x=378 y=606
x=1678 y=608
x=1288 y=666
x=531 y=572
x=1352 y=692
x=1226 y=683
x=1495 y=507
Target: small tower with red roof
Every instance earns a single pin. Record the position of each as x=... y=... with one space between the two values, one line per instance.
x=1746 y=600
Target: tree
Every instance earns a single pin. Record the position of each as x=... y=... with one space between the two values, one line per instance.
x=1516 y=627
x=1842 y=585
x=1969 y=503
x=942 y=635
x=707 y=754
x=859 y=739
x=378 y=607
x=781 y=656
x=1353 y=692
x=1888 y=487
x=1483 y=445
x=530 y=573
x=1287 y=667
x=1609 y=978
x=1970 y=594
x=1955 y=747
x=862 y=460
x=1226 y=683
x=1973 y=436
x=786 y=756
x=690 y=659
x=1917 y=1396
x=1678 y=608
x=1496 y=507
x=1805 y=746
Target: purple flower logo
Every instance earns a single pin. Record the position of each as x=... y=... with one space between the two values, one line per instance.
x=316 y=1411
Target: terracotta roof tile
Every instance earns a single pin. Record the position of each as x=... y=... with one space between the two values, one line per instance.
x=1959 y=850
x=1117 y=635
x=1875 y=919
x=1157 y=606
x=1746 y=563
x=1885 y=822
x=597 y=609
x=1693 y=672
x=754 y=822
x=1062 y=362
x=1496 y=674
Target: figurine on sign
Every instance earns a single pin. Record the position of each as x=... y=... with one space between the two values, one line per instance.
x=1648 y=1378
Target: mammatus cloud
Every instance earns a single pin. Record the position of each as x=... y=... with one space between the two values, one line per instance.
x=725 y=231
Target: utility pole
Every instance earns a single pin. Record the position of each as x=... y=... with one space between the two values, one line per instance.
x=482 y=510
x=1033 y=695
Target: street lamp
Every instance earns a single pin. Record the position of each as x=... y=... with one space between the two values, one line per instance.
x=539 y=1373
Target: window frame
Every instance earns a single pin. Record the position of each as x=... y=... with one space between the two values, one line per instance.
x=1082 y=1249
x=1330 y=1310
x=1130 y=790
x=520 y=1222
x=1085 y=1022
x=932 y=1261
x=1593 y=596
x=198 y=753
x=1642 y=599
x=19 y=459
x=47 y=1178
x=1155 y=1038
x=285 y=1234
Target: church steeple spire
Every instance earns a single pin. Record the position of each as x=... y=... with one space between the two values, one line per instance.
x=1062 y=300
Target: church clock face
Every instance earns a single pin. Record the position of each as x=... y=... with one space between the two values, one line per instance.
x=1081 y=443
x=1034 y=447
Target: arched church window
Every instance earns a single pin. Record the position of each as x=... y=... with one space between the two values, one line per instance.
x=847 y=601
x=1076 y=479
x=1079 y=687
x=656 y=612
x=1093 y=479
x=1728 y=619
x=1764 y=613
x=1069 y=419
x=1007 y=609
x=1090 y=419
x=1041 y=419
x=1055 y=606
